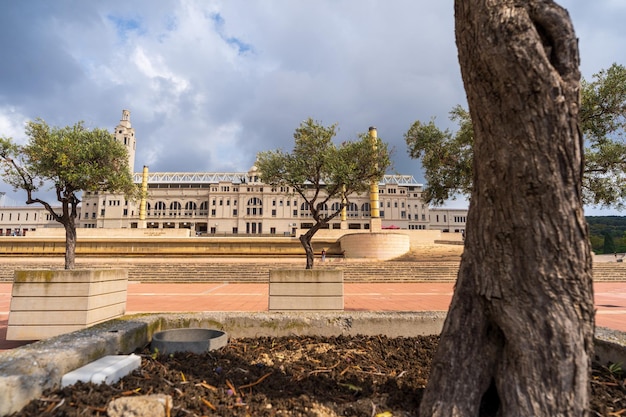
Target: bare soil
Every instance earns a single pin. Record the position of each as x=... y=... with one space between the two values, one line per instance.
x=293 y=376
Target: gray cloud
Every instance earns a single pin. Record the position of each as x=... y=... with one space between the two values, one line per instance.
x=211 y=83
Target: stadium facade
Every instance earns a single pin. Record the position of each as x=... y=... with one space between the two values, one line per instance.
x=231 y=203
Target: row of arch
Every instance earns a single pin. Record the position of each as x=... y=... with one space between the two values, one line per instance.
x=191 y=205
x=352 y=207
x=253 y=202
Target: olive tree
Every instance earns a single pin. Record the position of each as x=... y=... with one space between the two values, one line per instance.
x=321 y=172
x=69 y=160
x=521 y=322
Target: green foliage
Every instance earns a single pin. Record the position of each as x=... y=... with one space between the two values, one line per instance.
x=616 y=369
x=601 y=226
x=609 y=244
x=319 y=171
x=447 y=157
x=71 y=158
x=603 y=123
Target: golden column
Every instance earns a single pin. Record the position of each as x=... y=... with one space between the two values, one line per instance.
x=375 y=221
x=344 y=215
x=144 y=195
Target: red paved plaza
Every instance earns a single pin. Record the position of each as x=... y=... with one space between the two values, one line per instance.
x=610 y=299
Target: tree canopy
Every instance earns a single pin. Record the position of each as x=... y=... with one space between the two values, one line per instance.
x=447 y=156
x=322 y=173
x=69 y=160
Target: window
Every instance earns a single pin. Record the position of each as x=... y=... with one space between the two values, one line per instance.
x=353 y=210
x=255 y=207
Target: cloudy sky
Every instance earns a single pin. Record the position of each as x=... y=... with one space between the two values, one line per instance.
x=211 y=83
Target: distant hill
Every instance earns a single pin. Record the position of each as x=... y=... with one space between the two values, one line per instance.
x=601 y=226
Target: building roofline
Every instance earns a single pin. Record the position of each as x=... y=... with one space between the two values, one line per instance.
x=240 y=178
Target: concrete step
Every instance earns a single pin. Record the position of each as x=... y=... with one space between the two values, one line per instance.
x=189 y=270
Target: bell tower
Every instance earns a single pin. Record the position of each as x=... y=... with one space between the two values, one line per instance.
x=125 y=134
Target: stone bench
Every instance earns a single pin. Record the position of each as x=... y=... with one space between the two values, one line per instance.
x=306 y=290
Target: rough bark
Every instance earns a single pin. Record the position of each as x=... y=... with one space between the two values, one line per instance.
x=70 y=243
x=521 y=319
x=305 y=239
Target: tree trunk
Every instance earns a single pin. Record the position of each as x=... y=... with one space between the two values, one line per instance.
x=521 y=319
x=305 y=239
x=70 y=243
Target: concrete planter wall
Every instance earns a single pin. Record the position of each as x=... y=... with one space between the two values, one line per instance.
x=46 y=303
x=306 y=290
x=379 y=246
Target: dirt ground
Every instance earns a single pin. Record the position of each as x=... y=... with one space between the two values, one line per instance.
x=293 y=376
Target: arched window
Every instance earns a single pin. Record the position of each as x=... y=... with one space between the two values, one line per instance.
x=159 y=206
x=353 y=210
x=365 y=209
x=322 y=207
x=255 y=207
x=336 y=206
x=190 y=208
x=175 y=207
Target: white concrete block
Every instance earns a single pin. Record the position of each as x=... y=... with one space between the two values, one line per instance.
x=108 y=369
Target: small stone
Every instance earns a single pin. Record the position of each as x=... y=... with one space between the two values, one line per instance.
x=157 y=405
